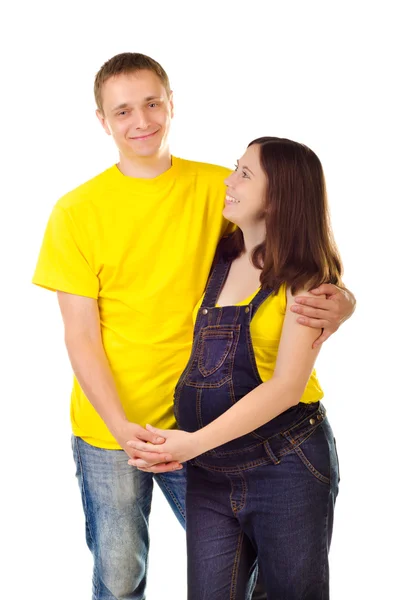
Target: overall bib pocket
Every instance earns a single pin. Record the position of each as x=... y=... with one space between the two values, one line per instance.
x=213 y=363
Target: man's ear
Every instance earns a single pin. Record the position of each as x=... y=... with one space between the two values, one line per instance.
x=172 y=103
x=102 y=120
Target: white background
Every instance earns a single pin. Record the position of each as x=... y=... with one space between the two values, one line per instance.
x=318 y=72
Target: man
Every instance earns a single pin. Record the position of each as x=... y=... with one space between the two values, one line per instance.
x=129 y=253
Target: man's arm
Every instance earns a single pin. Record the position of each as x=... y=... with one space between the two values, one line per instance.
x=89 y=362
x=326 y=313
x=294 y=364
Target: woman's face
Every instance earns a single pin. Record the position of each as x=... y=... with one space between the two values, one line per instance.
x=246 y=191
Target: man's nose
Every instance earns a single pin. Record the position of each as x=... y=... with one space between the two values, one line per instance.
x=141 y=120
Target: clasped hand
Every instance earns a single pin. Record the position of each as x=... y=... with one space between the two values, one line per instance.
x=178 y=447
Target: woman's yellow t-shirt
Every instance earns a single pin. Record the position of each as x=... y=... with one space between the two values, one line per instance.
x=266 y=327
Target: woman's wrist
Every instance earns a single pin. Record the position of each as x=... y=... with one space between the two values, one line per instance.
x=200 y=442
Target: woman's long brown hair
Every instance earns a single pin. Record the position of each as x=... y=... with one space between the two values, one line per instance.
x=299 y=248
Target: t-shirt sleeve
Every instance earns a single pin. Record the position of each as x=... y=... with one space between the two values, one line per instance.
x=62 y=264
x=282 y=297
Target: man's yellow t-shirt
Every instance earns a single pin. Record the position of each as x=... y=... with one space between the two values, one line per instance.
x=143 y=248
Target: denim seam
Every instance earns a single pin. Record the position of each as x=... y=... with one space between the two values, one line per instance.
x=251 y=356
x=272 y=456
x=233 y=470
x=224 y=269
x=220 y=272
x=286 y=434
x=232 y=503
x=209 y=386
x=258 y=462
x=198 y=407
x=243 y=494
x=213 y=329
x=214 y=289
x=226 y=378
x=320 y=411
x=302 y=438
x=231 y=392
x=326 y=548
x=84 y=496
x=310 y=467
x=237 y=556
x=178 y=392
x=169 y=490
x=251 y=352
x=221 y=335
x=176 y=404
x=234 y=349
x=337 y=460
x=238 y=506
x=228 y=453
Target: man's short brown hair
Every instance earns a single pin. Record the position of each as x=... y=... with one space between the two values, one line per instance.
x=127 y=62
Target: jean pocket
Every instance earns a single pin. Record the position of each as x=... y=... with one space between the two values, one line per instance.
x=314 y=453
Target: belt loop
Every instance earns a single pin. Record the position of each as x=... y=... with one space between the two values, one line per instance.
x=270 y=453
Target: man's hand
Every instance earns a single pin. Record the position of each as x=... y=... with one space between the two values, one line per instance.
x=325 y=313
x=127 y=431
x=91 y=367
x=179 y=446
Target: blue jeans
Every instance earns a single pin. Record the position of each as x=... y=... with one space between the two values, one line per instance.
x=117 y=501
x=273 y=503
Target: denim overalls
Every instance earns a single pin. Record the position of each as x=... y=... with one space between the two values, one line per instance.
x=269 y=494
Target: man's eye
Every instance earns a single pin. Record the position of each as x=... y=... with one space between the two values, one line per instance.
x=153 y=104
x=122 y=113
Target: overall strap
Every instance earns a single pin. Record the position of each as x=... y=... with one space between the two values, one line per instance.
x=215 y=283
x=259 y=299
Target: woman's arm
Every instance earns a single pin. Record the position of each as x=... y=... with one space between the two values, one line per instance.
x=326 y=312
x=295 y=361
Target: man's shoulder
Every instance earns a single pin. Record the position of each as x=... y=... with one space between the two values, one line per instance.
x=201 y=168
x=86 y=191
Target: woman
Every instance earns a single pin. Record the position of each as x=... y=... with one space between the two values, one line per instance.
x=263 y=471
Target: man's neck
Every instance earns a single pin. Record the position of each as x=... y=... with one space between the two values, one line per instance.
x=147 y=167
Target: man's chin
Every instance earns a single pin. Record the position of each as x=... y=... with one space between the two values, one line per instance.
x=144 y=153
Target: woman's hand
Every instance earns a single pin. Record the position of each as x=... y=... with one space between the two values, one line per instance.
x=180 y=446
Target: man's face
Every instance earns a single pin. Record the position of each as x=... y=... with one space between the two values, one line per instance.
x=137 y=113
